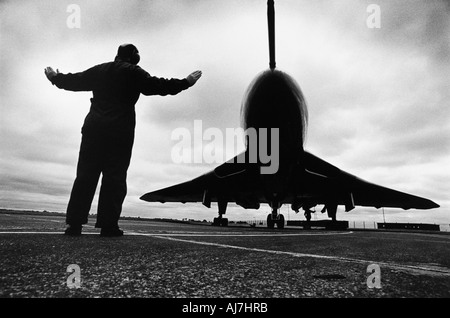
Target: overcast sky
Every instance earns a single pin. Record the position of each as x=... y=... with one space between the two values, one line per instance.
x=378 y=98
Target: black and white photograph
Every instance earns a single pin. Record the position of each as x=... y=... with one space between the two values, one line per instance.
x=225 y=157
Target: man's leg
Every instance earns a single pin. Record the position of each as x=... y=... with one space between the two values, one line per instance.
x=88 y=173
x=114 y=183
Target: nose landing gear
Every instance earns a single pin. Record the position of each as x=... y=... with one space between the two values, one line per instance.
x=275 y=218
x=221 y=221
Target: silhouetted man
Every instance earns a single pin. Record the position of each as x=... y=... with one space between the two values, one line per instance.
x=108 y=133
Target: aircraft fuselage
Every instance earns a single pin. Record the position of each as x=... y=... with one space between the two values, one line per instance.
x=275 y=102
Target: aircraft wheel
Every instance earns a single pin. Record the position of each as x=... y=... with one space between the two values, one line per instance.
x=280 y=222
x=220 y=222
x=224 y=222
x=270 y=222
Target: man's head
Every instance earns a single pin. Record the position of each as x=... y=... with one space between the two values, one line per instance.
x=128 y=53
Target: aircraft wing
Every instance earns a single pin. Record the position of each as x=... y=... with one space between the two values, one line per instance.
x=317 y=182
x=351 y=191
x=230 y=182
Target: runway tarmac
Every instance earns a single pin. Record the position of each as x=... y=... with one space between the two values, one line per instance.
x=172 y=260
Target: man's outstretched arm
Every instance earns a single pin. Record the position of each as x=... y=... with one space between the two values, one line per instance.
x=73 y=82
x=150 y=85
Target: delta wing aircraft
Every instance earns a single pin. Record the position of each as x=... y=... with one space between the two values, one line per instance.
x=274 y=108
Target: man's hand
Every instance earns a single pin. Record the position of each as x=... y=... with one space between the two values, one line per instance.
x=50 y=73
x=193 y=77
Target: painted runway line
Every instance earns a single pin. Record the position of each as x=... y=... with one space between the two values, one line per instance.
x=237 y=234
x=196 y=234
x=37 y=232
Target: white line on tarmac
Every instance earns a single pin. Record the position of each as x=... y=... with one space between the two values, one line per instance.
x=37 y=232
x=235 y=234
x=194 y=234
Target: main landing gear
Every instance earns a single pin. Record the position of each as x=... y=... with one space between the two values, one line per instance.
x=221 y=221
x=275 y=218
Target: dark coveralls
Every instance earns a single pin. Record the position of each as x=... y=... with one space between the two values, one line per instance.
x=108 y=134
